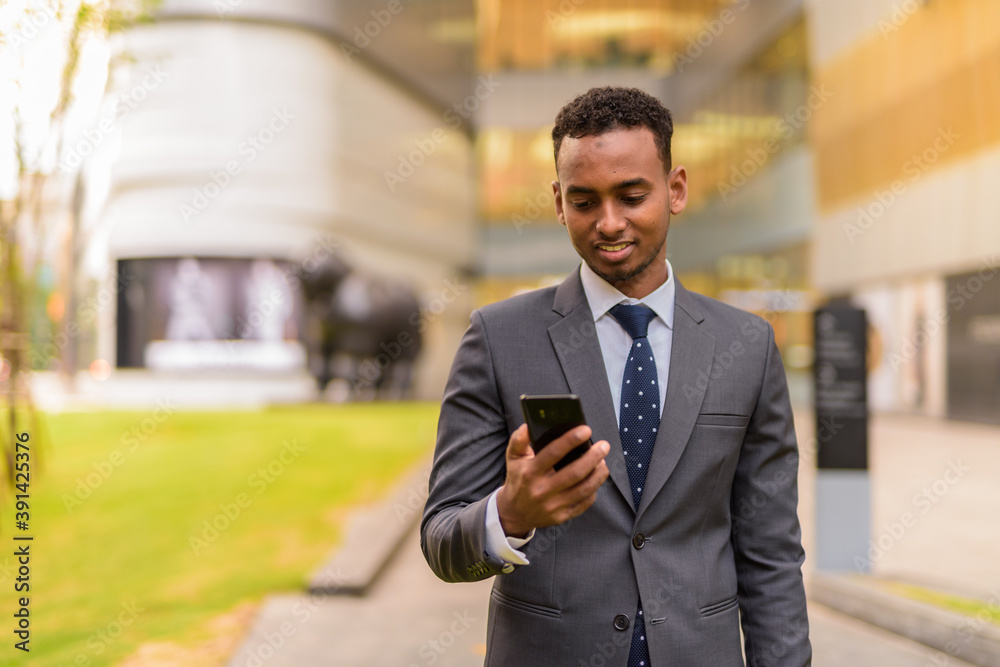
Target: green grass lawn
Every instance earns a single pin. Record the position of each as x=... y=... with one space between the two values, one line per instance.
x=128 y=544
x=982 y=610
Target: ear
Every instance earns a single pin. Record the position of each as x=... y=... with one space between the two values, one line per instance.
x=557 y=195
x=677 y=184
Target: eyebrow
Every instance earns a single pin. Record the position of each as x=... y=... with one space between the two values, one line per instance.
x=620 y=185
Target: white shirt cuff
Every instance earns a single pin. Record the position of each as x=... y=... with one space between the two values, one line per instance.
x=499 y=545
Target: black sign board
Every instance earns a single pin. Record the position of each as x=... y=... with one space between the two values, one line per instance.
x=840 y=371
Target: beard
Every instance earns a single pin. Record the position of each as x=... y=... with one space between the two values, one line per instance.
x=624 y=275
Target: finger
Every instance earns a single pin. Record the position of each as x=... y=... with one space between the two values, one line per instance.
x=579 y=508
x=576 y=509
x=583 y=495
x=579 y=470
x=519 y=444
x=558 y=448
x=588 y=488
x=575 y=500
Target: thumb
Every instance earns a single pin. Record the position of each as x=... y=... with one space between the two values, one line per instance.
x=520 y=443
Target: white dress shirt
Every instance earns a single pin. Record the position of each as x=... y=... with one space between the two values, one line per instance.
x=615 y=345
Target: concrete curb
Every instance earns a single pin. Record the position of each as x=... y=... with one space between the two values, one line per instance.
x=373 y=536
x=968 y=638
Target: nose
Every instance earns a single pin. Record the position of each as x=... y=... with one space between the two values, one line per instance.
x=612 y=221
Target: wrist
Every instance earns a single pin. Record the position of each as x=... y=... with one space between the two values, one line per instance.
x=511 y=527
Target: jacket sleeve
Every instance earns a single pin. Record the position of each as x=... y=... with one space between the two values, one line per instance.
x=766 y=536
x=469 y=464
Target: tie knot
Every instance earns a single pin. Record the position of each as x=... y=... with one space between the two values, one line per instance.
x=635 y=319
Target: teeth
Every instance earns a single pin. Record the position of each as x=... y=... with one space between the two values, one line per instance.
x=613 y=248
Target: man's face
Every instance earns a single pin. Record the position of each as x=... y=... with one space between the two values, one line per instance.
x=615 y=199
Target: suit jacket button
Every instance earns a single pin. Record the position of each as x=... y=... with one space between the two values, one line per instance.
x=621 y=622
x=507 y=568
x=638 y=540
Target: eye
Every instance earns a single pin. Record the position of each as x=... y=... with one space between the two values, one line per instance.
x=581 y=205
x=634 y=199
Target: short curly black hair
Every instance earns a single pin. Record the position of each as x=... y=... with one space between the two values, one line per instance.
x=601 y=110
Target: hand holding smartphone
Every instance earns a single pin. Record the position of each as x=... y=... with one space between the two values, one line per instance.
x=550 y=416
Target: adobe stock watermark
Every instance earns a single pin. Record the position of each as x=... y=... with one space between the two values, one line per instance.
x=416 y=496
x=752 y=330
x=565 y=9
x=454 y=118
x=100 y=640
x=825 y=431
x=579 y=337
x=86 y=313
x=653 y=606
x=546 y=538
x=125 y=104
x=900 y=14
x=261 y=311
x=230 y=512
x=933 y=326
x=794 y=634
x=965 y=632
x=265 y=305
x=323 y=247
x=656 y=603
x=923 y=502
x=370 y=370
x=432 y=649
x=786 y=127
x=130 y=441
x=786 y=474
x=271 y=643
x=221 y=179
x=533 y=208
x=37 y=16
x=223 y=7
x=363 y=36
x=604 y=652
x=704 y=38
x=914 y=167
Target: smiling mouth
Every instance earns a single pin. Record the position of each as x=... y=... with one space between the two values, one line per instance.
x=612 y=247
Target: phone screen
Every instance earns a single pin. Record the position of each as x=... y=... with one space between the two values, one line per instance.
x=549 y=417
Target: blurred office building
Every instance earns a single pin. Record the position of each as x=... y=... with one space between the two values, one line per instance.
x=835 y=150
x=907 y=155
x=267 y=138
x=735 y=76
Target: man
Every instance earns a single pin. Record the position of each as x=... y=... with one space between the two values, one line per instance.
x=697 y=530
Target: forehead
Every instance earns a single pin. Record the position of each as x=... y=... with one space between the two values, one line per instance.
x=618 y=154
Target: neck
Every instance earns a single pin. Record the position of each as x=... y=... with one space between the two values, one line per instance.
x=646 y=282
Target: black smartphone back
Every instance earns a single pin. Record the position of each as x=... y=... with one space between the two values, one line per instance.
x=548 y=417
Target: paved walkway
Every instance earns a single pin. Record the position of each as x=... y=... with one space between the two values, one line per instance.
x=411 y=619
x=945 y=474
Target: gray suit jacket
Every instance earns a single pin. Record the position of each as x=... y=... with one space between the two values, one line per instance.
x=720 y=539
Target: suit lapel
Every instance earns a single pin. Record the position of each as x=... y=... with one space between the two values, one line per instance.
x=690 y=365
x=574 y=338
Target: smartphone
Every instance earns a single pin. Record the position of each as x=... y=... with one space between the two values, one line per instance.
x=548 y=417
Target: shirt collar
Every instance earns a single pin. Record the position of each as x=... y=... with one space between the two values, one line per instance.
x=601 y=296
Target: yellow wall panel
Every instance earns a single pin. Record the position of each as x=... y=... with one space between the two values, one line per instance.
x=899 y=89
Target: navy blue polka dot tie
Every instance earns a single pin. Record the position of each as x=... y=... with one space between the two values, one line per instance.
x=639 y=417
